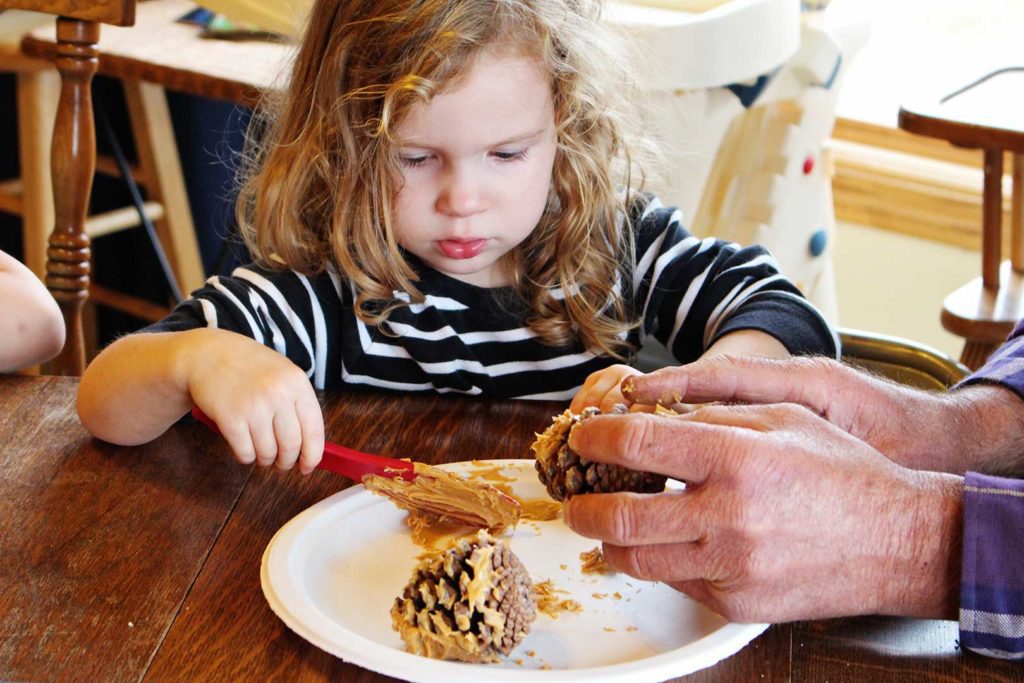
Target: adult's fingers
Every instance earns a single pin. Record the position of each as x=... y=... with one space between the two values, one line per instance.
x=755 y=417
x=807 y=381
x=668 y=562
x=679 y=448
x=634 y=519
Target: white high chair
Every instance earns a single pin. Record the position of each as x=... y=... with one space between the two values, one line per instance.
x=745 y=97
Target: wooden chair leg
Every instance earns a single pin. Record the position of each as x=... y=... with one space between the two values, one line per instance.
x=37 y=93
x=160 y=168
x=992 y=219
x=1017 y=215
x=73 y=162
x=976 y=352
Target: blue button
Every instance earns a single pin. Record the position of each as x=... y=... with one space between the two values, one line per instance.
x=819 y=240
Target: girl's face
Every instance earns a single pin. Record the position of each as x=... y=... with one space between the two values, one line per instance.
x=476 y=162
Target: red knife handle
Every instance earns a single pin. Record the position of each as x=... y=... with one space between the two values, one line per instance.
x=356 y=464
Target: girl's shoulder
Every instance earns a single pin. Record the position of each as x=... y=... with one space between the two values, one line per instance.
x=278 y=281
x=650 y=218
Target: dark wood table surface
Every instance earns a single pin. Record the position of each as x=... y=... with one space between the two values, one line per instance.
x=143 y=563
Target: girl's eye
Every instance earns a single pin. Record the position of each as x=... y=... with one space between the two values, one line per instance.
x=413 y=161
x=505 y=157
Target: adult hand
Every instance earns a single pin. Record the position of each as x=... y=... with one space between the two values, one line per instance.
x=915 y=428
x=785 y=516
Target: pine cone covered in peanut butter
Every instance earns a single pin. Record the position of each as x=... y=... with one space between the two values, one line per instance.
x=565 y=474
x=472 y=602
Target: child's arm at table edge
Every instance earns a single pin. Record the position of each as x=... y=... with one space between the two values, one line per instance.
x=139 y=385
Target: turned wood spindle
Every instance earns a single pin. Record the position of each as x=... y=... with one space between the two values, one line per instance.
x=73 y=162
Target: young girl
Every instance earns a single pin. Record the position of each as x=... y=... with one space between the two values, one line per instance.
x=445 y=201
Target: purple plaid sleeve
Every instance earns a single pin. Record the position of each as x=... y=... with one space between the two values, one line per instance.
x=992 y=582
x=1006 y=365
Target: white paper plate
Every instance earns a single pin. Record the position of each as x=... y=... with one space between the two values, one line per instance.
x=332 y=573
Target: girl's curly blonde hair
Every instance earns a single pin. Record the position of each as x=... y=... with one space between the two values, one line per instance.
x=323 y=172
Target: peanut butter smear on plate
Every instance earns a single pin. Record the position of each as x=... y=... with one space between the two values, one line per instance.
x=534 y=509
x=447 y=497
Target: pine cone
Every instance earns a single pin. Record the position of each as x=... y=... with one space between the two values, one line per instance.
x=472 y=602
x=566 y=474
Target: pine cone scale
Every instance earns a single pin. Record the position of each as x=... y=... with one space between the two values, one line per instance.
x=565 y=473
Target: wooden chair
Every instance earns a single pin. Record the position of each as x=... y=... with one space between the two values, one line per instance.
x=987 y=114
x=158 y=170
x=73 y=156
x=901 y=360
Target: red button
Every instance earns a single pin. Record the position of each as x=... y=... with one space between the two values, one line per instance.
x=808 y=165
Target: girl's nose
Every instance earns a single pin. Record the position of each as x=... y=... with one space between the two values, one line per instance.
x=461 y=194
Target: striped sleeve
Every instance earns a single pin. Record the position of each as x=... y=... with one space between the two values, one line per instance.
x=992 y=581
x=694 y=291
x=291 y=313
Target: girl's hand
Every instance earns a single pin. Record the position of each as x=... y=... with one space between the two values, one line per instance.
x=603 y=389
x=263 y=404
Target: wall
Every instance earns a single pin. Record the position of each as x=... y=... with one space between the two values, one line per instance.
x=895 y=284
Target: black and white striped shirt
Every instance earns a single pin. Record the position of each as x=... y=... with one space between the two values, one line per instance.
x=471 y=340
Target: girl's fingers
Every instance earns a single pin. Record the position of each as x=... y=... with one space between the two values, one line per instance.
x=311 y=421
x=612 y=398
x=601 y=389
x=239 y=438
x=288 y=432
x=264 y=440
x=593 y=390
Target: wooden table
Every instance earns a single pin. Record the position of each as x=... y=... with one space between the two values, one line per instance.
x=143 y=563
x=987 y=115
x=162 y=51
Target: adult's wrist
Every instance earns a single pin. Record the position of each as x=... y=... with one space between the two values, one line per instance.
x=924 y=552
x=986 y=423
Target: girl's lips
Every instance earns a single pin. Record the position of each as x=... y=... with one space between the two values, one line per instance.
x=456 y=249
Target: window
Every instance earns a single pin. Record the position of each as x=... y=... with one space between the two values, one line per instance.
x=894 y=180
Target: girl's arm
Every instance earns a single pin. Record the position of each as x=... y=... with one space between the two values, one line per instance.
x=747 y=343
x=263 y=404
x=31 y=326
